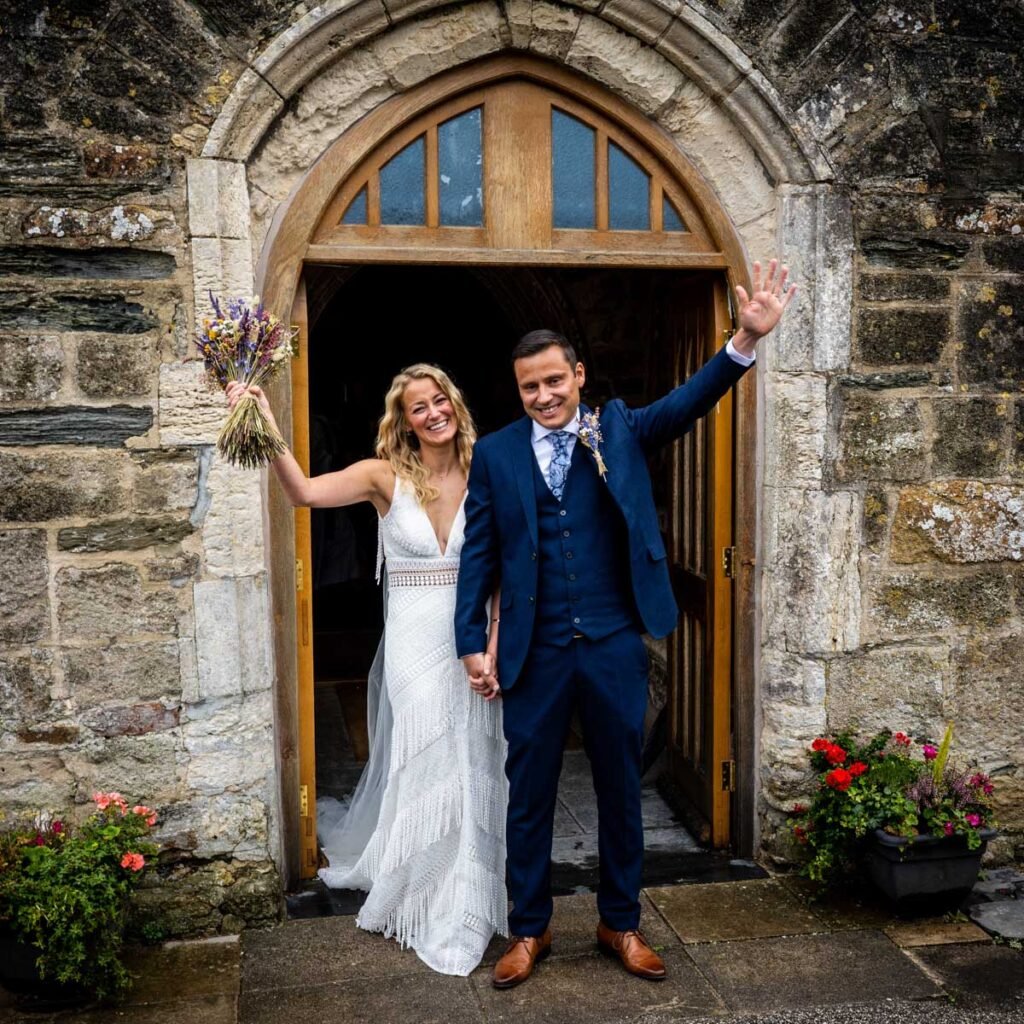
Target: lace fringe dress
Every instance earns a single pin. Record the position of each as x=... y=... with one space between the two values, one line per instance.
x=434 y=864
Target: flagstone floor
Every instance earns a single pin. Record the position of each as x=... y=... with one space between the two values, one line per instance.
x=737 y=952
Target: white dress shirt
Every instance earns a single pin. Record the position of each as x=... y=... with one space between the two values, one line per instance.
x=543 y=448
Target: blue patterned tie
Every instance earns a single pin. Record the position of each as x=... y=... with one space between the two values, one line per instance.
x=559 y=468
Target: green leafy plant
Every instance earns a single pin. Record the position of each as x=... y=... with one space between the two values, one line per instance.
x=65 y=890
x=884 y=783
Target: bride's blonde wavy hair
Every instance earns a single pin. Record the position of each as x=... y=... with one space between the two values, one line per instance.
x=395 y=440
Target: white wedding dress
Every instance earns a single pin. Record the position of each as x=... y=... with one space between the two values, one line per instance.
x=433 y=856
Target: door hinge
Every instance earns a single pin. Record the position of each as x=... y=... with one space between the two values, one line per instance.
x=300 y=575
x=729 y=561
x=729 y=776
x=304 y=801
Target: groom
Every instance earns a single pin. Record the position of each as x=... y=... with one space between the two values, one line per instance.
x=560 y=513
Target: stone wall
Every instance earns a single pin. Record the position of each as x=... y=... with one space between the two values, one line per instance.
x=146 y=148
x=134 y=651
x=903 y=454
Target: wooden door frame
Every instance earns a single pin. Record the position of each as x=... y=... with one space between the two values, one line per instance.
x=289 y=246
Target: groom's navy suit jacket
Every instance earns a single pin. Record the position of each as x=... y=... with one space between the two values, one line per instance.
x=501 y=537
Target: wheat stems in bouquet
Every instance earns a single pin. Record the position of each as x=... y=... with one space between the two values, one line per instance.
x=243 y=342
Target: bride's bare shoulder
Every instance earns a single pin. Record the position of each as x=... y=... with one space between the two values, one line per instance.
x=382 y=479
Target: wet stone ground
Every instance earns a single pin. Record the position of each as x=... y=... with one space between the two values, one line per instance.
x=760 y=950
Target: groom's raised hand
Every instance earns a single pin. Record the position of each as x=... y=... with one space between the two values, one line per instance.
x=762 y=309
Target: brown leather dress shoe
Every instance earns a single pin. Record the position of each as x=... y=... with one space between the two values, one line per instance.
x=633 y=950
x=516 y=963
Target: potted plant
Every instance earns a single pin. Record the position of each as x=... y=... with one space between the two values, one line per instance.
x=898 y=811
x=64 y=899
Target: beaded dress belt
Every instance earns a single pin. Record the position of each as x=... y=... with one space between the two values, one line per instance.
x=438 y=573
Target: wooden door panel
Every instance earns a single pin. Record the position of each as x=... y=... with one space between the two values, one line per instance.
x=699 y=652
x=306 y=797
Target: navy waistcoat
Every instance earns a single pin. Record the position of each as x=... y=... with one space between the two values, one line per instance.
x=584 y=584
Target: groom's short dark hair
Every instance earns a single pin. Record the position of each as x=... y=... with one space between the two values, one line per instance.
x=537 y=341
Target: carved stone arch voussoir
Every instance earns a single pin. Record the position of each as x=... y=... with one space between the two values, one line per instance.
x=715 y=67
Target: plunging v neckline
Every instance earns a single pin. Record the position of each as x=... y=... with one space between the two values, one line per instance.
x=437 y=541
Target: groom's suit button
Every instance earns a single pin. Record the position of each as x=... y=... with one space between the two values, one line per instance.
x=531 y=599
x=562 y=512
x=534 y=556
x=568 y=554
x=572 y=575
x=576 y=621
x=565 y=533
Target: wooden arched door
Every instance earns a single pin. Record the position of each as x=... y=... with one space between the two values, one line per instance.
x=518 y=162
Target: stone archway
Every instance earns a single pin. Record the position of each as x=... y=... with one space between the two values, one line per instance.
x=769 y=176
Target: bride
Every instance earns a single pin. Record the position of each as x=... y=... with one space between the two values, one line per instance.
x=424 y=832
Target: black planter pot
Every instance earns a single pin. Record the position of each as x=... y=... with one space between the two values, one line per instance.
x=19 y=975
x=924 y=871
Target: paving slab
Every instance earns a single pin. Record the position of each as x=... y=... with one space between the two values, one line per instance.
x=1004 y=918
x=979 y=976
x=597 y=990
x=178 y=981
x=164 y=973
x=419 y=999
x=733 y=910
x=839 y=909
x=888 y=1012
x=811 y=970
x=320 y=951
x=935 y=932
x=206 y=1010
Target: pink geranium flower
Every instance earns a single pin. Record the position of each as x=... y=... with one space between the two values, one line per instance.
x=148 y=813
x=974 y=820
x=948 y=828
x=105 y=800
x=135 y=861
x=930 y=752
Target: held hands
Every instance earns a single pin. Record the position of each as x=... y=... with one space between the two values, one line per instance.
x=760 y=311
x=482 y=670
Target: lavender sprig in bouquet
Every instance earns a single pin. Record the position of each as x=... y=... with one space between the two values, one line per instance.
x=247 y=344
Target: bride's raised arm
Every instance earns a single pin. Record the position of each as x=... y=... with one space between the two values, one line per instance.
x=368 y=480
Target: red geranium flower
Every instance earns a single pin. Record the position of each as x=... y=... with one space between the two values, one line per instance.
x=835 y=754
x=820 y=744
x=858 y=768
x=839 y=778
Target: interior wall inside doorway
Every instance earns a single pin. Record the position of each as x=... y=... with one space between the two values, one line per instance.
x=367 y=323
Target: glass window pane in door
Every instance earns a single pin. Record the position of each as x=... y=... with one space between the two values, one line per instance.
x=402 y=181
x=629 y=193
x=356 y=212
x=460 y=164
x=670 y=216
x=572 y=171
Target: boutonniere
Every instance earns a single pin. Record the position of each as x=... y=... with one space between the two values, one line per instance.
x=590 y=435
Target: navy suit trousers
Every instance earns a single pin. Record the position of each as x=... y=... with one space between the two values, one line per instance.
x=606 y=682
